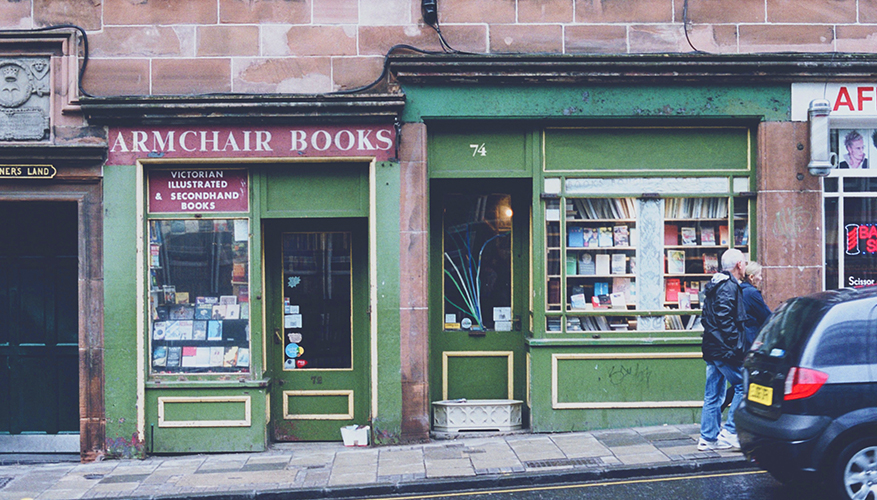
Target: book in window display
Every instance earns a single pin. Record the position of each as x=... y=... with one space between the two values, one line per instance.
x=619 y=263
x=689 y=236
x=604 y=237
x=603 y=264
x=575 y=238
x=675 y=262
x=671 y=234
x=710 y=263
x=707 y=235
x=589 y=237
x=587 y=266
x=621 y=236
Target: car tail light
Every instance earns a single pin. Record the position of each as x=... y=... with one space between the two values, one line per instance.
x=803 y=383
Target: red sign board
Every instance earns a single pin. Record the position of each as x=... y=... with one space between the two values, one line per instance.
x=188 y=190
x=128 y=144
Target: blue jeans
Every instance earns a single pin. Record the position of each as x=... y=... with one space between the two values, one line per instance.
x=718 y=373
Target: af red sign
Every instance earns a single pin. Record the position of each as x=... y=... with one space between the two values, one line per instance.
x=184 y=190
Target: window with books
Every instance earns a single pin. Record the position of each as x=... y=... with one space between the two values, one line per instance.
x=477 y=262
x=625 y=263
x=199 y=295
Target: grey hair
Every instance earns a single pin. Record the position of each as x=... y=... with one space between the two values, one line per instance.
x=731 y=258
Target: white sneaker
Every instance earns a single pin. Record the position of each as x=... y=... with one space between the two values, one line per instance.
x=729 y=439
x=704 y=445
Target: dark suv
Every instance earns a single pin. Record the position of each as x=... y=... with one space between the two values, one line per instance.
x=810 y=411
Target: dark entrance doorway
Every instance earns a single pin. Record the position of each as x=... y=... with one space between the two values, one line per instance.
x=39 y=330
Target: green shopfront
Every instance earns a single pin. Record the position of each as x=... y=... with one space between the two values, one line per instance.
x=245 y=289
x=577 y=206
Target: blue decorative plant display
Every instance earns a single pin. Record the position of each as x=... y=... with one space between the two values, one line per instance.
x=477 y=257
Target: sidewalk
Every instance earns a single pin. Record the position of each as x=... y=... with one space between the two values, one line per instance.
x=318 y=470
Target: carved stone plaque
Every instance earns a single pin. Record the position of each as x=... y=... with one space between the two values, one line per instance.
x=24 y=98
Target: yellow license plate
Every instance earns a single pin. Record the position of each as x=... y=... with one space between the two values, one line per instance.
x=760 y=394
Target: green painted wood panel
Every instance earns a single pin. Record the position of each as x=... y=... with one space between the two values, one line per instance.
x=615 y=380
x=315 y=190
x=623 y=149
x=628 y=379
x=770 y=102
x=478 y=377
x=205 y=410
x=387 y=424
x=202 y=436
x=459 y=150
x=120 y=320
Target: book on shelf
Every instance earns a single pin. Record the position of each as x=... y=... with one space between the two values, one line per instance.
x=617 y=300
x=571 y=262
x=619 y=263
x=589 y=237
x=621 y=236
x=601 y=301
x=230 y=360
x=578 y=301
x=684 y=299
x=602 y=323
x=587 y=267
x=601 y=288
x=723 y=235
x=575 y=237
x=623 y=286
x=603 y=264
x=214 y=330
x=199 y=330
x=553 y=291
x=186 y=327
x=154 y=259
x=159 y=356
x=159 y=330
x=710 y=263
x=671 y=290
x=741 y=236
x=671 y=234
x=173 y=356
x=604 y=237
x=675 y=261
x=632 y=264
x=707 y=235
x=689 y=236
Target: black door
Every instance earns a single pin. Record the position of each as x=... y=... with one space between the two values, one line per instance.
x=39 y=374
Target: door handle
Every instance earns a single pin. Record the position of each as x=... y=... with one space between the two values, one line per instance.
x=278 y=338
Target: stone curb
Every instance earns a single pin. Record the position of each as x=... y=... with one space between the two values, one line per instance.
x=482 y=482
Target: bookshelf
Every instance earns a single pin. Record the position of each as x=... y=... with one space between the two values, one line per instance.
x=696 y=233
x=624 y=263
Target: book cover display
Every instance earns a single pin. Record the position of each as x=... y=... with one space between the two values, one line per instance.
x=198 y=323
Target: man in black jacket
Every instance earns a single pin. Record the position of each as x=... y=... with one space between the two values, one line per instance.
x=723 y=339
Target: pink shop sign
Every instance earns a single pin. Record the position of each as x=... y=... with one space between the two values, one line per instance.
x=129 y=144
x=201 y=190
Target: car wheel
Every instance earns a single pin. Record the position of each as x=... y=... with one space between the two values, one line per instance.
x=855 y=474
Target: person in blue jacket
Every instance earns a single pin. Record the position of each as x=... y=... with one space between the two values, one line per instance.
x=757 y=311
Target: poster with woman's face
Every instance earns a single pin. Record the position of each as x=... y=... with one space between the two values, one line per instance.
x=855 y=147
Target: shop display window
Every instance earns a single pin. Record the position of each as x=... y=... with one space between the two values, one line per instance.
x=850 y=210
x=199 y=295
x=620 y=264
x=477 y=262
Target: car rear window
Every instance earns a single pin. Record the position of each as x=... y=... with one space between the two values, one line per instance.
x=788 y=328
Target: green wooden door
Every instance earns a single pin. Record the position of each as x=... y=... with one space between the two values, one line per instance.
x=39 y=332
x=317 y=321
x=479 y=279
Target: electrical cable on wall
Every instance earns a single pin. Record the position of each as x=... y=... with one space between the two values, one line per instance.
x=685 y=22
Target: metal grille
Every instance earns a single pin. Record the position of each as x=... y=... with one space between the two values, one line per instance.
x=564 y=462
